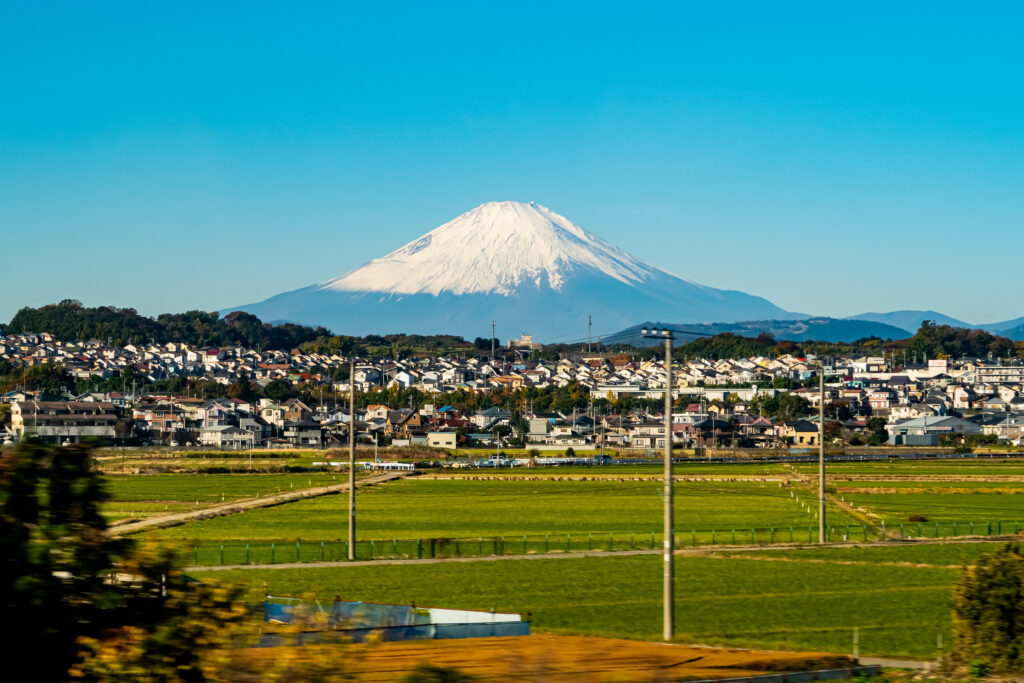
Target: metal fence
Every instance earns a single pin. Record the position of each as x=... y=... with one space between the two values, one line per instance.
x=357 y=621
x=281 y=552
x=393 y=633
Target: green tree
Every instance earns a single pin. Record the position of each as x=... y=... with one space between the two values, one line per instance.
x=241 y=388
x=877 y=431
x=833 y=429
x=63 y=578
x=279 y=390
x=988 y=613
x=782 y=407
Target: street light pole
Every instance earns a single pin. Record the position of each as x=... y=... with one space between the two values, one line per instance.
x=352 y=460
x=821 y=454
x=668 y=595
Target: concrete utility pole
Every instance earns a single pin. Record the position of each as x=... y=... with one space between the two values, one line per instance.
x=668 y=596
x=352 y=460
x=590 y=324
x=492 y=342
x=821 y=454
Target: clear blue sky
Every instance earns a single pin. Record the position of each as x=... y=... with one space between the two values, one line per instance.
x=832 y=158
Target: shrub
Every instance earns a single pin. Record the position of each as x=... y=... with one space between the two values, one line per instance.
x=988 y=613
x=428 y=673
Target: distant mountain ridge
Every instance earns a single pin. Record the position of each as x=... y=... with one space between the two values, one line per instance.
x=910 y=321
x=809 y=329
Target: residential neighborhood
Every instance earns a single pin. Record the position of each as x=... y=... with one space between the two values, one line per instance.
x=755 y=402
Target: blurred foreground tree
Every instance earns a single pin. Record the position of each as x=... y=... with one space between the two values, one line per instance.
x=988 y=613
x=82 y=604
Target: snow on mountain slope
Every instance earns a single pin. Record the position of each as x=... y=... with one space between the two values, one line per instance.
x=521 y=264
x=494 y=249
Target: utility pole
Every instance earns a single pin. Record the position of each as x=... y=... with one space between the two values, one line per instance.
x=589 y=326
x=821 y=454
x=492 y=342
x=352 y=460
x=668 y=594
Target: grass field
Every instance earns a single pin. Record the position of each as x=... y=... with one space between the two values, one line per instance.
x=931 y=485
x=897 y=595
x=425 y=508
x=965 y=468
x=762 y=602
x=939 y=554
x=652 y=469
x=140 y=496
x=896 y=508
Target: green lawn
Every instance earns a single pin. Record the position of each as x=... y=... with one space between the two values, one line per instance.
x=732 y=602
x=427 y=508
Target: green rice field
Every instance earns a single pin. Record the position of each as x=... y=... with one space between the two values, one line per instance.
x=739 y=602
x=451 y=508
x=896 y=508
x=965 y=468
x=140 y=496
x=897 y=595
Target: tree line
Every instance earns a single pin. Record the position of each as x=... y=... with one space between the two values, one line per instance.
x=69 y=321
x=930 y=341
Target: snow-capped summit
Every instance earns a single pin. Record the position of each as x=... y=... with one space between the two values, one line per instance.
x=494 y=249
x=520 y=264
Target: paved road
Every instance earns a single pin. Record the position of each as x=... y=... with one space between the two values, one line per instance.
x=176 y=518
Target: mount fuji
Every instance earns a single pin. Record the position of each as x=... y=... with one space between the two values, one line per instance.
x=522 y=265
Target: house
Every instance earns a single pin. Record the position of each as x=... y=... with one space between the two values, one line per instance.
x=67 y=421
x=993 y=403
x=442 y=439
x=296 y=411
x=376 y=412
x=914 y=410
x=486 y=419
x=226 y=437
x=648 y=435
x=800 y=432
x=882 y=399
x=303 y=433
x=926 y=431
x=712 y=432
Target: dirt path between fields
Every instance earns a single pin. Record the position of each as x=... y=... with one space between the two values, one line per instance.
x=234 y=507
x=709 y=478
x=683 y=552
x=810 y=481
x=821 y=560
x=925 y=478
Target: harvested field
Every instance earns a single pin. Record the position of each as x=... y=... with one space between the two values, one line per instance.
x=541 y=657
